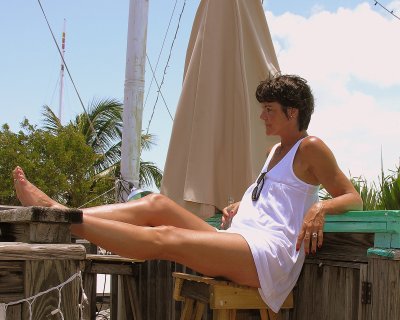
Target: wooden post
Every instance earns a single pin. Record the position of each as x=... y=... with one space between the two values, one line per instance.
x=29 y=271
x=36 y=259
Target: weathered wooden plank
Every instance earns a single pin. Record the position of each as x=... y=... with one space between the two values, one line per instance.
x=15 y=232
x=49 y=233
x=43 y=275
x=11 y=277
x=89 y=285
x=373 y=215
x=345 y=247
x=114 y=297
x=385 y=279
x=26 y=251
x=14 y=312
x=110 y=258
x=109 y=268
x=10 y=297
x=326 y=292
x=364 y=309
x=381 y=253
x=355 y=226
x=3 y=207
x=41 y=214
x=378 y=274
x=393 y=285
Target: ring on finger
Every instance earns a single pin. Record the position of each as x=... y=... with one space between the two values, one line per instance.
x=314 y=235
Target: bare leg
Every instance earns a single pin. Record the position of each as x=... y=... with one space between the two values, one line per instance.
x=209 y=252
x=153 y=210
x=178 y=235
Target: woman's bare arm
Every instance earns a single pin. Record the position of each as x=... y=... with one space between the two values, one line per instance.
x=322 y=167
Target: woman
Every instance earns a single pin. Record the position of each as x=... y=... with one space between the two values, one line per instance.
x=278 y=214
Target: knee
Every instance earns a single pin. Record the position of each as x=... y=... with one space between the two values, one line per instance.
x=156 y=201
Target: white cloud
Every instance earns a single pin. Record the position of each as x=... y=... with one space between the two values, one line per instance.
x=339 y=52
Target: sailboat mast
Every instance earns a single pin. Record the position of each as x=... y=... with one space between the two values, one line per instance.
x=133 y=93
x=60 y=105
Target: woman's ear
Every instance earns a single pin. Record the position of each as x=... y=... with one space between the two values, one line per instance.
x=293 y=112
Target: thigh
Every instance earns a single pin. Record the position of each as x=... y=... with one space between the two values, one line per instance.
x=213 y=253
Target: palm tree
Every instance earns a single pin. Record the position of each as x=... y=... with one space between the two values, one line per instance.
x=102 y=127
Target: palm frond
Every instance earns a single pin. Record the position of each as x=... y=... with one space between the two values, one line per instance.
x=149 y=174
x=51 y=121
x=147 y=141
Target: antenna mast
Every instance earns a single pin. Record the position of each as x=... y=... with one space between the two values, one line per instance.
x=60 y=108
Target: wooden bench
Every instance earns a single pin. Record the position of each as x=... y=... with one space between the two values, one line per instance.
x=223 y=297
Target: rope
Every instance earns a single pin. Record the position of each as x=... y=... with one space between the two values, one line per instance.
x=159 y=55
x=390 y=11
x=31 y=300
x=69 y=74
x=166 y=66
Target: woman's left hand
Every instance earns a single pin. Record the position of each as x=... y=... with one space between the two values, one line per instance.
x=312 y=230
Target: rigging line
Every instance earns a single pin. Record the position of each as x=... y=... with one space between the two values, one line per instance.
x=69 y=74
x=390 y=11
x=159 y=55
x=166 y=66
x=103 y=194
x=158 y=86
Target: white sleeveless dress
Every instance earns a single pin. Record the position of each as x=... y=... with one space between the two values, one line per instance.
x=272 y=224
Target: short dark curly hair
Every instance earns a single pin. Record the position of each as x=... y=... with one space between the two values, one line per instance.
x=290 y=91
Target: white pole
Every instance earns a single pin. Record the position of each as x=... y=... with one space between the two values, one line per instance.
x=133 y=93
x=60 y=108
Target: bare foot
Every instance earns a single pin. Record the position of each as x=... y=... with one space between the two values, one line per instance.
x=29 y=195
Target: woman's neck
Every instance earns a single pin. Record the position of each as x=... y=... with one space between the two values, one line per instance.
x=287 y=142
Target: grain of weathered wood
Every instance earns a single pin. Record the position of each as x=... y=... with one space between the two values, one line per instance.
x=393 y=301
x=114 y=297
x=130 y=284
x=346 y=246
x=364 y=309
x=107 y=268
x=327 y=292
x=45 y=274
x=14 y=232
x=14 y=312
x=111 y=258
x=89 y=285
x=385 y=279
x=3 y=207
x=49 y=232
x=383 y=253
x=25 y=251
x=11 y=278
x=10 y=297
x=41 y=214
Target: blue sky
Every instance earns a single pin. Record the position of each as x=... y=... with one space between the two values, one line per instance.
x=348 y=50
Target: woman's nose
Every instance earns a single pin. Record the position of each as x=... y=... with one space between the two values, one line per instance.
x=262 y=115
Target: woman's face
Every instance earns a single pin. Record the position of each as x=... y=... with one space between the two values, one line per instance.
x=275 y=119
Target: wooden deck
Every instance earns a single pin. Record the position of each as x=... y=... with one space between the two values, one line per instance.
x=356 y=275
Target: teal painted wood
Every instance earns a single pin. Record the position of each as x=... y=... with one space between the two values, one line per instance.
x=383 y=240
x=385 y=224
x=391 y=254
x=359 y=226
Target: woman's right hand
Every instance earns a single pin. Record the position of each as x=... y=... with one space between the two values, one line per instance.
x=228 y=213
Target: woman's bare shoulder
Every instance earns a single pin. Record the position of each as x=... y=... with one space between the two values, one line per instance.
x=316 y=153
x=314 y=144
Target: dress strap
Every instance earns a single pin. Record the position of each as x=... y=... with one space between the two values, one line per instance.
x=271 y=153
